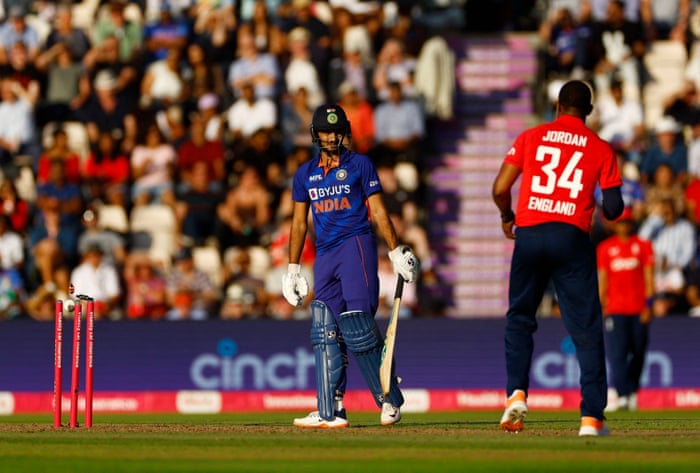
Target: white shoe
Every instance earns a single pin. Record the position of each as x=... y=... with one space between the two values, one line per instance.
x=315 y=421
x=516 y=410
x=592 y=427
x=390 y=414
x=632 y=402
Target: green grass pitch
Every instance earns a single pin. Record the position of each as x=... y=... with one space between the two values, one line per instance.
x=467 y=441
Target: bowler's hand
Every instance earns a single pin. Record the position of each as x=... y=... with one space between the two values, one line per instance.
x=508 y=229
x=404 y=263
x=294 y=286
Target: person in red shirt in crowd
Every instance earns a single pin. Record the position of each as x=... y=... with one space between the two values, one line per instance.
x=197 y=149
x=626 y=288
x=106 y=171
x=559 y=165
x=13 y=206
x=59 y=150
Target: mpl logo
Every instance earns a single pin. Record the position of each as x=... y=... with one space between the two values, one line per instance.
x=555 y=370
x=230 y=370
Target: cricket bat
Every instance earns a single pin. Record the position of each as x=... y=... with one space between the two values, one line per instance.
x=385 y=365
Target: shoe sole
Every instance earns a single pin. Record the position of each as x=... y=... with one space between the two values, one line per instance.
x=391 y=422
x=516 y=415
x=321 y=426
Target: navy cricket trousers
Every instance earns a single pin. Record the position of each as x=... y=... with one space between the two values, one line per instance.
x=566 y=255
x=627 y=339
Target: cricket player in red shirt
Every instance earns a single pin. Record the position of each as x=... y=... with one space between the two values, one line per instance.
x=559 y=165
x=626 y=285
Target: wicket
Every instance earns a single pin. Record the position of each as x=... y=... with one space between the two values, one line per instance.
x=75 y=362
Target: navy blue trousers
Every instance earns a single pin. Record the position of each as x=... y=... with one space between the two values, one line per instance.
x=566 y=255
x=627 y=340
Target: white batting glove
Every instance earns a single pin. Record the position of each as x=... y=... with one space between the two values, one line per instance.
x=405 y=263
x=294 y=285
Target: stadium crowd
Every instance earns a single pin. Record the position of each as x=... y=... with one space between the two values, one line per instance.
x=147 y=148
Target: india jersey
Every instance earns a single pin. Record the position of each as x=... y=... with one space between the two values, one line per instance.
x=561 y=163
x=338 y=199
x=624 y=263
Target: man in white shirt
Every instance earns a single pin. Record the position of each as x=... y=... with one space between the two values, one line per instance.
x=98 y=279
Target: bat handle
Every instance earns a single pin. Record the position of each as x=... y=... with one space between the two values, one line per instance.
x=399 y=287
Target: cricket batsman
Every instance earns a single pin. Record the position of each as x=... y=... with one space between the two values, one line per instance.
x=342 y=190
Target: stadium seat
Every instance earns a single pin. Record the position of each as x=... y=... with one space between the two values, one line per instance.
x=113 y=217
x=208 y=260
x=77 y=137
x=159 y=222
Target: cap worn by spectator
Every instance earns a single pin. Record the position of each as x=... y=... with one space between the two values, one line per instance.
x=299 y=34
x=16 y=11
x=667 y=125
x=105 y=80
x=183 y=254
x=207 y=101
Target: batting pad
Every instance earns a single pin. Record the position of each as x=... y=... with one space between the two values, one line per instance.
x=362 y=337
x=329 y=358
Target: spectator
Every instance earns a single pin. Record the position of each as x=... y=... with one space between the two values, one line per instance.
x=300 y=71
x=399 y=129
x=393 y=67
x=17 y=128
x=559 y=39
x=12 y=293
x=618 y=49
x=244 y=294
x=21 y=70
x=11 y=246
x=667 y=147
x=252 y=66
x=105 y=57
x=620 y=122
x=663 y=187
x=67 y=85
x=152 y=169
x=201 y=75
x=111 y=244
x=106 y=172
x=53 y=251
x=244 y=215
x=214 y=25
x=208 y=108
x=128 y=33
x=171 y=123
x=683 y=106
x=261 y=23
x=59 y=150
x=15 y=30
x=41 y=305
x=665 y=19
x=361 y=116
x=249 y=114
x=199 y=149
x=260 y=151
x=387 y=286
x=162 y=84
x=196 y=206
x=100 y=279
x=146 y=296
x=191 y=293
x=109 y=110
x=165 y=33
x=674 y=243
x=60 y=195
x=63 y=32
x=295 y=115
x=694 y=150
x=351 y=68
x=14 y=207
x=320 y=41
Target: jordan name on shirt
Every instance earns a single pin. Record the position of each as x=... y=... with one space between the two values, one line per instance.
x=554 y=136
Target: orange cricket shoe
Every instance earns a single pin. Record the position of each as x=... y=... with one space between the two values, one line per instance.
x=516 y=410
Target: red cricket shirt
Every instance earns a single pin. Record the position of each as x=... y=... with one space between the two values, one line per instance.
x=561 y=163
x=624 y=263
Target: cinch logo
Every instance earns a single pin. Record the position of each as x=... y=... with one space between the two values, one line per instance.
x=230 y=370
x=554 y=370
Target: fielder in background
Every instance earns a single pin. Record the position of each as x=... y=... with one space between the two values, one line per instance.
x=343 y=192
x=626 y=286
x=560 y=162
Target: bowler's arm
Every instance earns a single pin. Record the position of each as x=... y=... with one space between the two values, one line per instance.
x=501 y=193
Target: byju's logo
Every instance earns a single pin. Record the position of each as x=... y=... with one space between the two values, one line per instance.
x=229 y=369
